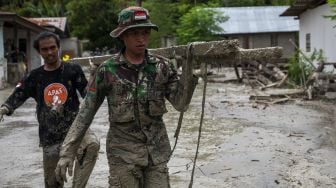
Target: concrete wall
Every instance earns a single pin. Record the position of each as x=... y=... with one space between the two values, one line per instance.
x=322 y=33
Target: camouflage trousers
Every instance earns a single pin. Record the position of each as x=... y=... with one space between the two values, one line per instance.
x=124 y=175
x=85 y=160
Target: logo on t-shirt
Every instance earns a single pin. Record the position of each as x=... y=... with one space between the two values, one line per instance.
x=55 y=95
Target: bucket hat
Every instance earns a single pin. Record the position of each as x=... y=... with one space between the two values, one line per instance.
x=132 y=17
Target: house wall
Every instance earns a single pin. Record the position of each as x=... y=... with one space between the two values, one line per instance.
x=249 y=41
x=287 y=46
x=322 y=31
x=260 y=41
x=3 y=62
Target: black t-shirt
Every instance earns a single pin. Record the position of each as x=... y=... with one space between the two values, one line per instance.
x=55 y=93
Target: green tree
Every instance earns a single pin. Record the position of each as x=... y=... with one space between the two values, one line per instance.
x=332 y=4
x=35 y=8
x=164 y=14
x=94 y=20
x=42 y=8
x=9 y=5
x=199 y=24
x=300 y=67
x=242 y=3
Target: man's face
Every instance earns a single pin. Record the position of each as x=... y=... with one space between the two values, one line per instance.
x=48 y=50
x=136 y=40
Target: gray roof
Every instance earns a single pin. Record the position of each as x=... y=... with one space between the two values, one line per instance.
x=299 y=6
x=262 y=19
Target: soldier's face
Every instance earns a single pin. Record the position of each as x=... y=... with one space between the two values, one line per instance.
x=48 y=50
x=136 y=40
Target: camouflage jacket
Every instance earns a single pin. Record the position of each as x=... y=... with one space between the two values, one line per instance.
x=55 y=93
x=136 y=101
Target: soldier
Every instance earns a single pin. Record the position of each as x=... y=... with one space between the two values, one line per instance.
x=135 y=84
x=54 y=87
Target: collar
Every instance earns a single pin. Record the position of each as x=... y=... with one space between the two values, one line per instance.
x=121 y=60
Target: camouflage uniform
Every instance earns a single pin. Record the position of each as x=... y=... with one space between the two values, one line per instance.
x=137 y=144
x=137 y=138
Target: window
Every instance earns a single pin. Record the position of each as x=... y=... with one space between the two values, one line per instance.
x=308 y=47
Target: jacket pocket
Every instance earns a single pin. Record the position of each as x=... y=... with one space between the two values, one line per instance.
x=157 y=107
x=122 y=112
x=156 y=102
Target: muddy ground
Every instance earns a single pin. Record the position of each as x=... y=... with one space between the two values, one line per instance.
x=243 y=143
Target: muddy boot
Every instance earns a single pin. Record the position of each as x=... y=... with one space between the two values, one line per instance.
x=86 y=159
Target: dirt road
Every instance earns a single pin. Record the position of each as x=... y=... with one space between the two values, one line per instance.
x=243 y=144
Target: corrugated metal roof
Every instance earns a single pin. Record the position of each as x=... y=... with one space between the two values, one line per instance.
x=299 y=6
x=262 y=19
x=22 y=22
x=58 y=22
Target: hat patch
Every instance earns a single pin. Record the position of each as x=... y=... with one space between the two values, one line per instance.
x=140 y=15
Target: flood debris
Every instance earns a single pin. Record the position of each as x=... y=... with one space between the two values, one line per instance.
x=260 y=67
x=322 y=81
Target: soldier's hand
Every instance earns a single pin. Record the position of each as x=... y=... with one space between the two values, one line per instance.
x=3 y=110
x=64 y=164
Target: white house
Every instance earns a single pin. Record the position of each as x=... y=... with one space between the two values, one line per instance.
x=316 y=31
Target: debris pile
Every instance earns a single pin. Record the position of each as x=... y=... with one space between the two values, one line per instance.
x=322 y=82
x=260 y=67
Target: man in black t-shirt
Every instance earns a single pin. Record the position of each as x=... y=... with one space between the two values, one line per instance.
x=54 y=87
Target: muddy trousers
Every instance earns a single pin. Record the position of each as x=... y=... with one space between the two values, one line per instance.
x=124 y=175
x=85 y=160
